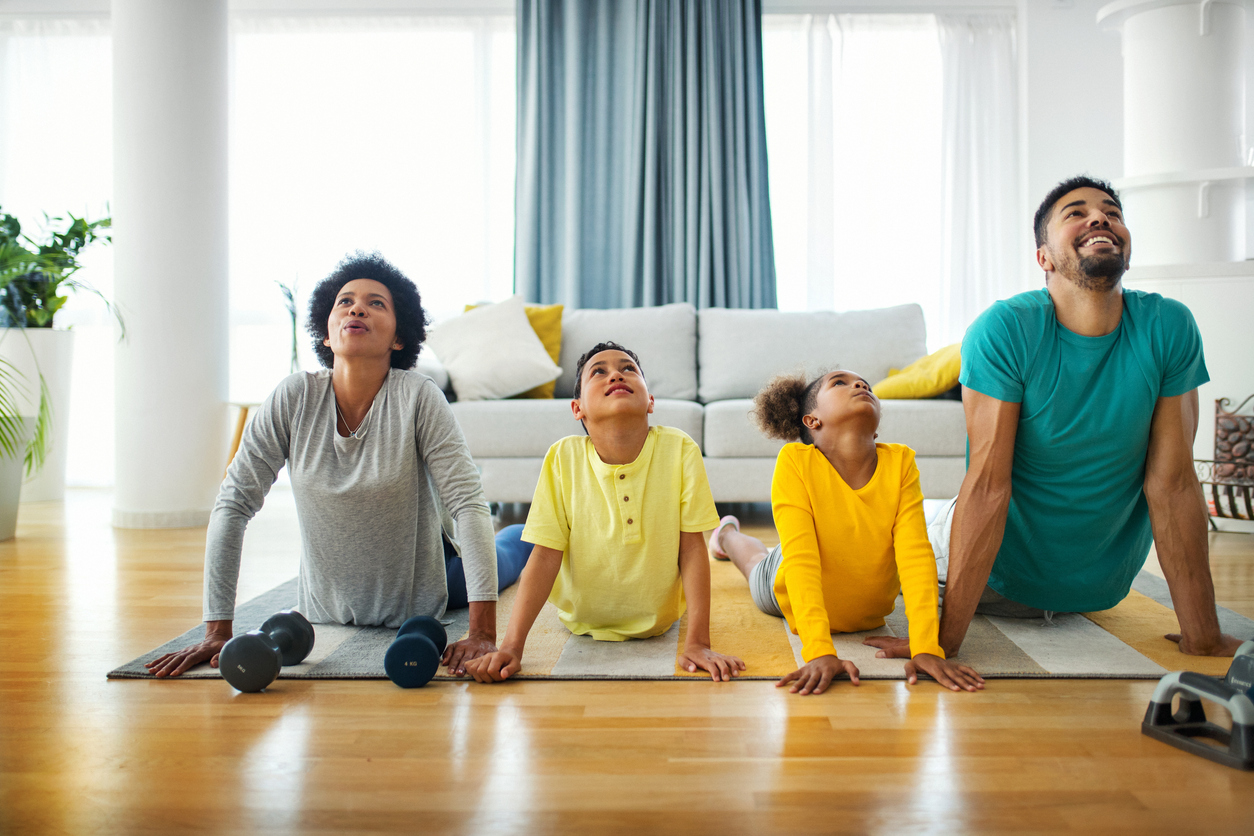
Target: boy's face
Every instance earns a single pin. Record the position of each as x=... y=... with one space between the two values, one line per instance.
x=611 y=386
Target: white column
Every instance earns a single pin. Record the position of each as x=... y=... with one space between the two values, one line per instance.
x=1184 y=116
x=170 y=258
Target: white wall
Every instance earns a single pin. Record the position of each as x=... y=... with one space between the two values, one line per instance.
x=1072 y=84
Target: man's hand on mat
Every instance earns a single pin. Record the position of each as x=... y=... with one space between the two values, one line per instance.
x=889 y=647
x=458 y=654
x=721 y=668
x=1221 y=645
x=495 y=667
x=947 y=674
x=173 y=664
x=817 y=674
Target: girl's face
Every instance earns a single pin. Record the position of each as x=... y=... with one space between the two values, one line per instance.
x=362 y=321
x=843 y=396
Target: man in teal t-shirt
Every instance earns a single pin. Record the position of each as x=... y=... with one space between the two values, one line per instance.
x=1081 y=405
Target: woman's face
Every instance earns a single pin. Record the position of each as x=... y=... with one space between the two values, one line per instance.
x=362 y=321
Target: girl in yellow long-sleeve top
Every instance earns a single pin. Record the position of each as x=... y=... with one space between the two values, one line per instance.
x=850 y=518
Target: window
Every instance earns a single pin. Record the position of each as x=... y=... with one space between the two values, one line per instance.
x=853 y=120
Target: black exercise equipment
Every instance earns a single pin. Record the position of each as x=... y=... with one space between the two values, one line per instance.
x=1187 y=727
x=414 y=656
x=252 y=661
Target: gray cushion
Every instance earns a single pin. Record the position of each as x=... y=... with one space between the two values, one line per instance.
x=930 y=427
x=740 y=350
x=663 y=337
x=527 y=428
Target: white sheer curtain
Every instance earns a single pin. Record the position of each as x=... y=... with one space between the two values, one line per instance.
x=56 y=156
x=981 y=168
x=393 y=134
x=894 y=164
x=853 y=109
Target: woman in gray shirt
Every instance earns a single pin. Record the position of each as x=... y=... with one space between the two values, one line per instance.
x=393 y=521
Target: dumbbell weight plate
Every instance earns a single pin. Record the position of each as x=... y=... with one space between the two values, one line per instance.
x=411 y=660
x=425 y=625
x=299 y=631
x=250 y=662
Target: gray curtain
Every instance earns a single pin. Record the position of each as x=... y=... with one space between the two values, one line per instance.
x=642 y=174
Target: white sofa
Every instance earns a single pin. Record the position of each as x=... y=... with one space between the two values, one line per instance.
x=703 y=369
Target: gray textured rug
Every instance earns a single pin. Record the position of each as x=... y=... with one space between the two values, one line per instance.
x=1125 y=642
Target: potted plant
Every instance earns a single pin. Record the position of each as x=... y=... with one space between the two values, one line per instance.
x=36 y=277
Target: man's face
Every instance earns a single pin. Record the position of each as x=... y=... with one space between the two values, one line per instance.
x=1086 y=241
x=611 y=385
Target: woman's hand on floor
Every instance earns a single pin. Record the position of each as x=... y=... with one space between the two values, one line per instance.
x=495 y=667
x=458 y=654
x=720 y=666
x=817 y=674
x=217 y=633
x=947 y=674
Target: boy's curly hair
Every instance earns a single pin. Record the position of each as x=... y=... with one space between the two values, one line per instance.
x=778 y=408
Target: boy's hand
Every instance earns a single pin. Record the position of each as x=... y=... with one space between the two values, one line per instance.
x=722 y=668
x=495 y=667
x=947 y=674
x=817 y=674
x=890 y=648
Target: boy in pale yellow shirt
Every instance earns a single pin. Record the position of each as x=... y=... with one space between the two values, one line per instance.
x=850 y=518
x=617 y=523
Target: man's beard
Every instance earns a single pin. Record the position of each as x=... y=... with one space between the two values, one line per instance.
x=1100 y=272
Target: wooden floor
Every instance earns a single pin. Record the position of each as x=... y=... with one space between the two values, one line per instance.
x=79 y=754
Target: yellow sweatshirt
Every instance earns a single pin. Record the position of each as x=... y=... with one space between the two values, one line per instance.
x=846 y=553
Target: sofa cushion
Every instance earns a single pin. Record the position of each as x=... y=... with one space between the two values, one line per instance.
x=740 y=350
x=663 y=337
x=527 y=428
x=931 y=428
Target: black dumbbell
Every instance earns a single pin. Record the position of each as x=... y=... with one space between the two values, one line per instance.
x=252 y=661
x=414 y=656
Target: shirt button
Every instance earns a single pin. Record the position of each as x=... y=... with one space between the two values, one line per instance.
x=625 y=498
x=629 y=522
x=622 y=476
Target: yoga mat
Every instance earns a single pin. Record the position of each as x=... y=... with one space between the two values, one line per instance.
x=1125 y=642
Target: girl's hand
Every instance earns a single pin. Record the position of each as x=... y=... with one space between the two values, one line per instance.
x=721 y=667
x=817 y=674
x=947 y=674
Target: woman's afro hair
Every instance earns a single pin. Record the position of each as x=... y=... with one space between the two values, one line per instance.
x=411 y=319
x=779 y=407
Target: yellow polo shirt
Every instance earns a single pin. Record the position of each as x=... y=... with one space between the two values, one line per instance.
x=618 y=529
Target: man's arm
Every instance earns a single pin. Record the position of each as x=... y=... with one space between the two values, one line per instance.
x=1177 y=510
x=980 y=514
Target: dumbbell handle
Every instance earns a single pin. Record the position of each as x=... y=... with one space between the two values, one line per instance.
x=1190 y=685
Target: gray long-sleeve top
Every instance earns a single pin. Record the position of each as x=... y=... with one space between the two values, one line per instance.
x=370 y=518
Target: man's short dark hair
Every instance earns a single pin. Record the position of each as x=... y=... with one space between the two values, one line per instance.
x=1083 y=181
x=411 y=319
x=608 y=345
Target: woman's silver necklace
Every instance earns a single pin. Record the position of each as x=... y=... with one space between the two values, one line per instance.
x=354 y=433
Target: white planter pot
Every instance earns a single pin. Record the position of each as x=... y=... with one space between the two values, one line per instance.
x=50 y=351
x=11 y=471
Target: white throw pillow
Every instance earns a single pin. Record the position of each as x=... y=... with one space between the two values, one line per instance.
x=492 y=352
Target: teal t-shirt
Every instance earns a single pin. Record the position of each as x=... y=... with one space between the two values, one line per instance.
x=1078 y=529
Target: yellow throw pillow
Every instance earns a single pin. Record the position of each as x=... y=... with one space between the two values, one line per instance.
x=926 y=377
x=546 y=321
